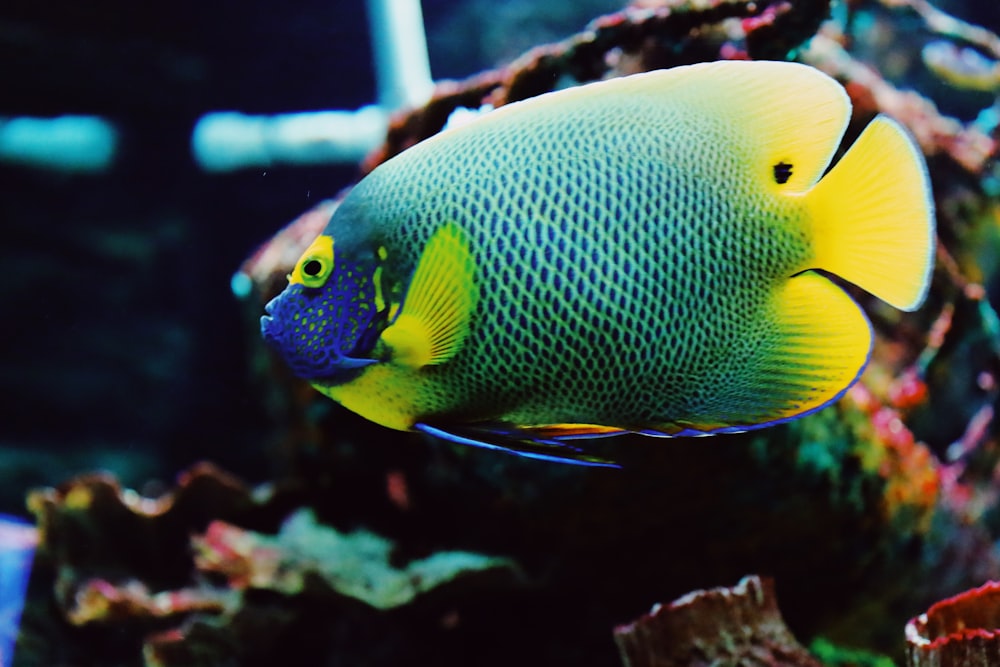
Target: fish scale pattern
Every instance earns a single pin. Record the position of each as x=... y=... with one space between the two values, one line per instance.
x=627 y=272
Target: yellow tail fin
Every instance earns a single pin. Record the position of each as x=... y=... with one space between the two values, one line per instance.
x=873 y=217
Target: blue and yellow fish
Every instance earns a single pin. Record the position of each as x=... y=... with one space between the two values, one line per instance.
x=645 y=254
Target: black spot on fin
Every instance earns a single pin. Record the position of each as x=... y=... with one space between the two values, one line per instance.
x=782 y=172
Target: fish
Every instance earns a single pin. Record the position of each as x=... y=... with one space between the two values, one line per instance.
x=661 y=253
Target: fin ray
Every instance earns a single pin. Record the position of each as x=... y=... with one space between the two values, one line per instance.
x=825 y=343
x=821 y=344
x=436 y=313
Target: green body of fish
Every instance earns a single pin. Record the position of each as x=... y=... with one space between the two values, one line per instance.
x=636 y=255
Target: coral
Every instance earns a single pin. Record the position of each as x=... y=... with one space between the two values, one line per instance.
x=960 y=67
x=909 y=468
x=99 y=601
x=734 y=626
x=307 y=555
x=115 y=585
x=967 y=145
x=90 y=524
x=960 y=631
x=400 y=50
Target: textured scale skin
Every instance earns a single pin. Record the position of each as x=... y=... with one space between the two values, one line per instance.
x=628 y=278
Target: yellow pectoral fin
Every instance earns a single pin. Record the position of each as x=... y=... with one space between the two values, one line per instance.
x=437 y=311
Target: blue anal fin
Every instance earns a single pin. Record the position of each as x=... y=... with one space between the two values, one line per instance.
x=519 y=443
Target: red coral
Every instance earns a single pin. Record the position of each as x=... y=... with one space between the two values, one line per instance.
x=963 y=630
x=908 y=390
x=236 y=554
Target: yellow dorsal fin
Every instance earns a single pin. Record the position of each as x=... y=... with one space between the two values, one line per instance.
x=873 y=217
x=787 y=118
x=436 y=313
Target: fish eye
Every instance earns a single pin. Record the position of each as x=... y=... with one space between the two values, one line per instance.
x=315 y=270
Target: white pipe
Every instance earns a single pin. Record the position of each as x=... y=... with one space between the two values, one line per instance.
x=399 y=46
x=64 y=143
x=231 y=140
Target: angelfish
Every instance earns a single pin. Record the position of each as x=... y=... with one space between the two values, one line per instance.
x=645 y=254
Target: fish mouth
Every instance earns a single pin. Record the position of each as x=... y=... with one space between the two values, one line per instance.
x=269 y=329
x=334 y=365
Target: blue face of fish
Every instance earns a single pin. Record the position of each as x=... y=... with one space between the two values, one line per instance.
x=325 y=322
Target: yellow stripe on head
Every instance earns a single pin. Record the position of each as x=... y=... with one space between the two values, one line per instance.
x=315 y=265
